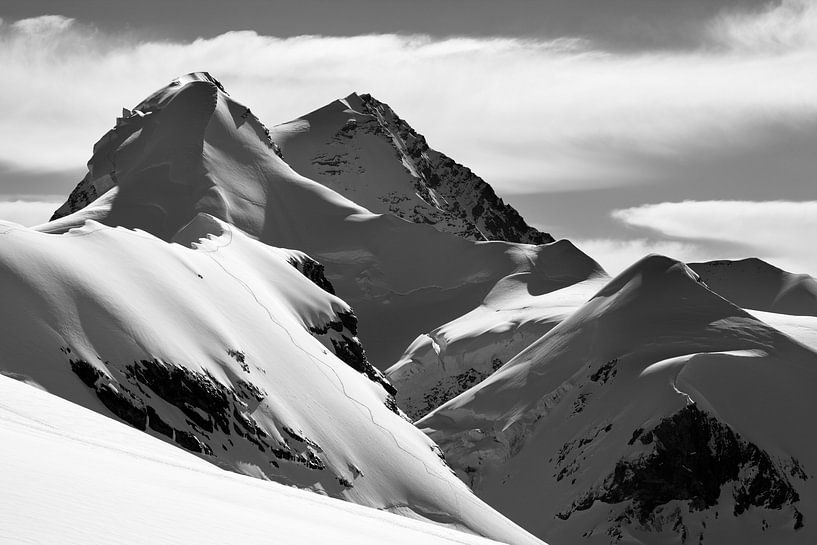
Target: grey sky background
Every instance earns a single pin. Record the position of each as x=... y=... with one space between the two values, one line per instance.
x=586 y=115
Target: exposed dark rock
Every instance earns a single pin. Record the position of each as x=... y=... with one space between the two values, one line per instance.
x=468 y=206
x=693 y=456
x=157 y=424
x=191 y=392
x=208 y=405
x=605 y=372
x=314 y=271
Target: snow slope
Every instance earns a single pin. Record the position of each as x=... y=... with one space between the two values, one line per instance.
x=359 y=147
x=756 y=284
x=658 y=412
x=71 y=477
x=191 y=148
x=224 y=346
x=520 y=308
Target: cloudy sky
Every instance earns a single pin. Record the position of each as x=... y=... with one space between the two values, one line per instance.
x=629 y=126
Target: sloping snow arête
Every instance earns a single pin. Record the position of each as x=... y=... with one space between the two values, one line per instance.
x=224 y=346
x=658 y=411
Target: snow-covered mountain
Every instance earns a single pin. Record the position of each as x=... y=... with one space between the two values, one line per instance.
x=233 y=290
x=191 y=148
x=758 y=285
x=657 y=412
x=167 y=301
x=359 y=147
x=224 y=346
x=73 y=477
x=520 y=308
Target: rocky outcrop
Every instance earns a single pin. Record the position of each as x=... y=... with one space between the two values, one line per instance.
x=195 y=410
x=446 y=185
x=341 y=334
x=685 y=464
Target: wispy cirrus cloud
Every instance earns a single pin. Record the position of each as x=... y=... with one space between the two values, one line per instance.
x=526 y=114
x=782 y=232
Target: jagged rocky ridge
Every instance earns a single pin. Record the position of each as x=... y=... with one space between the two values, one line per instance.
x=361 y=148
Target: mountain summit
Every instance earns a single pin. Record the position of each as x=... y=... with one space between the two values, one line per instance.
x=359 y=147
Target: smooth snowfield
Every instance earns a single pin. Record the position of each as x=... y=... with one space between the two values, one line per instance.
x=207 y=343
x=553 y=439
x=72 y=477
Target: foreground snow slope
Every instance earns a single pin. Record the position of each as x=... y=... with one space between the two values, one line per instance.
x=70 y=477
x=224 y=346
x=359 y=147
x=191 y=148
x=658 y=412
x=753 y=283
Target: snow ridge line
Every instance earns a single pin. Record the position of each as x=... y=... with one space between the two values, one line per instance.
x=342 y=387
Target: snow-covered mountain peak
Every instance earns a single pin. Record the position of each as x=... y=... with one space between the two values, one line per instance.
x=659 y=407
x=359 y=147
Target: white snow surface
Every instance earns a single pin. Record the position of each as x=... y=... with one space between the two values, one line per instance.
x=520 y=308
x=540 y=439
x=95 y=312
x=446 y=361
x=72 y=477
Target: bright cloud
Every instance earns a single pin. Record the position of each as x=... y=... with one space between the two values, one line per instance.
x=28 y=213
x=615 y=255
x=780 y=231
x=528 y=115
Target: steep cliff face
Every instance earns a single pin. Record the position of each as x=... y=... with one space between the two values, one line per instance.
x=361 y=148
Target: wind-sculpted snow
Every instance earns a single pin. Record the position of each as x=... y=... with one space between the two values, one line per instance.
x=216 y=343
x=359 y=147
x=656 y=412
x=190 y=148
x=73 y=477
